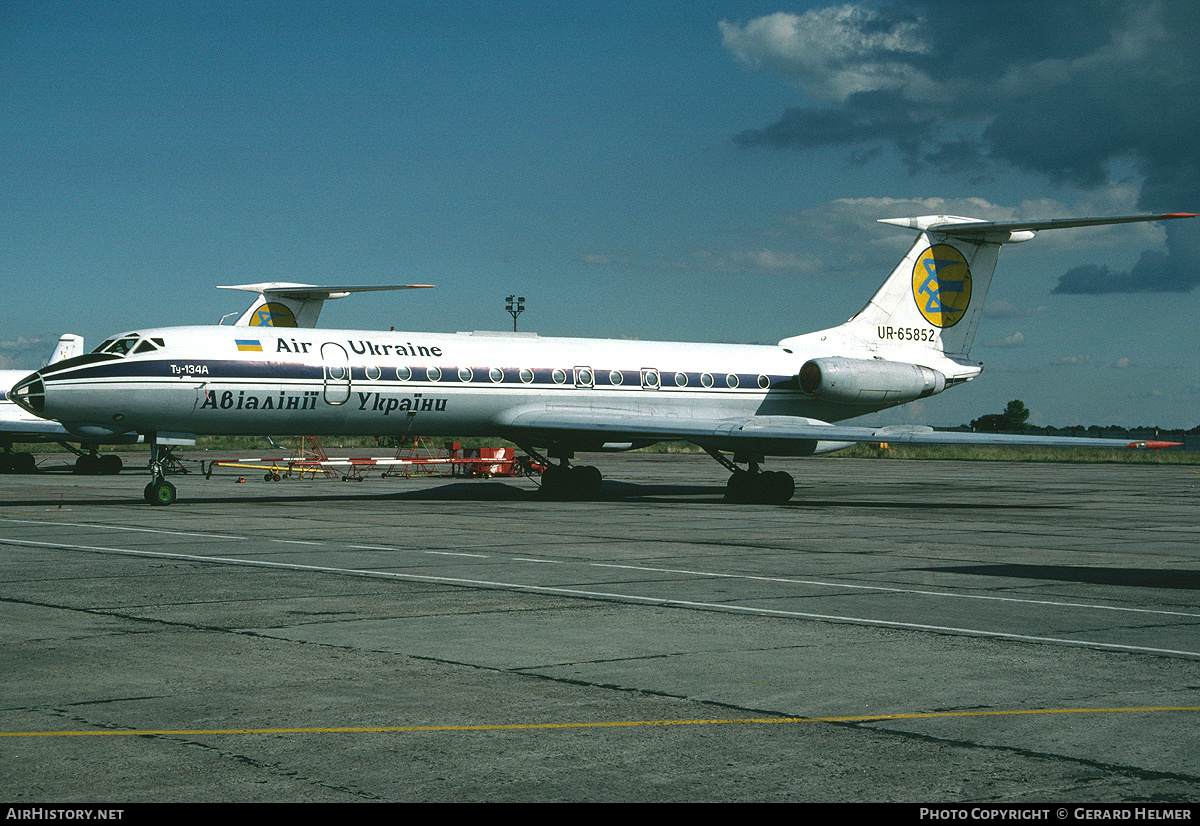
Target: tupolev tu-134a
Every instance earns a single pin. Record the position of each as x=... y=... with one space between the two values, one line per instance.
x=273 y=371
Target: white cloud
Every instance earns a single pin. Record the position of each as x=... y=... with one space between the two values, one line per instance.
x=1071 y=361
x=1017 y=339
x=830 y=53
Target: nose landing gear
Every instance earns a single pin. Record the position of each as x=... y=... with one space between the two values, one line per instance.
x=159 y=491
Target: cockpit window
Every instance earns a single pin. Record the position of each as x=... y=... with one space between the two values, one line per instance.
x=129 y=344
x=122 y=346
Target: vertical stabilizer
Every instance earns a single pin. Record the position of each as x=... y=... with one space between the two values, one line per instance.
x=69 y=346
x=934 y=298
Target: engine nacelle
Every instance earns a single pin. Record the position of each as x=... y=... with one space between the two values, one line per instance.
x=867 y=381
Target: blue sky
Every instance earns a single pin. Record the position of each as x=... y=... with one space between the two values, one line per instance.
x=707 y=171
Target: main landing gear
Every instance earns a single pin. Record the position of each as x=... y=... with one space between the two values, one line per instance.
x=563 y=481
x=93 y=464
x=11 y=462
x=159 y=491
x=754 y=486
x=566 y=481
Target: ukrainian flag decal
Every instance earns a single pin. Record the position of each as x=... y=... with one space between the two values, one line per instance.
x=249 y=345
x=941 y=285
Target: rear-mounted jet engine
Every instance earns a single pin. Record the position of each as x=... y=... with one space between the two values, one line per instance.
x=865 y=381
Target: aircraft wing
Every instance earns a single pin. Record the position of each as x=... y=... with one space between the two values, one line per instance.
x=770 y=435
x=32 y=431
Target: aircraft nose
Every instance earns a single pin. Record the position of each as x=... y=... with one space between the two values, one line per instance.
x=29 y=394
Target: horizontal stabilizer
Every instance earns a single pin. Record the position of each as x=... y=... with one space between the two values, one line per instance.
x=284 y=304
x=973 y=228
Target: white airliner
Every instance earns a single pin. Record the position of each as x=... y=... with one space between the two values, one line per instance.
x=273 y=372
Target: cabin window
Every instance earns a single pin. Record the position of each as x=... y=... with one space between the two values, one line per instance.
x=706 y=379
x=496 y=374
x=650 y=379
x=559 y=376
x=403 y=373
x=526 y=375
x=615 y=377
x=731 y=380
x=764 y=382
x=433 y=374
x=681 y=379
x=373 y=372
x=465 y=374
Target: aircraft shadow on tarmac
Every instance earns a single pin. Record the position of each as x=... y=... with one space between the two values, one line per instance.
x=209 y=492
x=1126 y=577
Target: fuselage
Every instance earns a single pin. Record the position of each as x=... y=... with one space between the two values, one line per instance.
x=245 y=380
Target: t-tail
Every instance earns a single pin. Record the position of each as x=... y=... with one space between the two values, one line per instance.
x=913 y=338
x=934 y=298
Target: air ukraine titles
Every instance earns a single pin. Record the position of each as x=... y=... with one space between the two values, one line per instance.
x=362 y=347
x=376 y=402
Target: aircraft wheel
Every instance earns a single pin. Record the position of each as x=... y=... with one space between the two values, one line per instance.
x=110 y=464
x=740 y=487
x=778 y=487
x=267 y=477
x=161 y=492
x=554 y=481
x=585 y=482
x=87 y=465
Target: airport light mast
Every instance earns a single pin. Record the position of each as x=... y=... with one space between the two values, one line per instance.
x=515 y=306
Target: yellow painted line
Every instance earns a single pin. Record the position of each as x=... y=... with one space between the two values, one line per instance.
x=861 y=718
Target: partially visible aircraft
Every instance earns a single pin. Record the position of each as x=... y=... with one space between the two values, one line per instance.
x=911 y=341
x=18 y=426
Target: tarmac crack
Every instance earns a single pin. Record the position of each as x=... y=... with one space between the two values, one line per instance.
x=274 y=768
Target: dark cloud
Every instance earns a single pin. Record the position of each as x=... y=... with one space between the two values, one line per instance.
x=866 y=118
x=1063 y=90
x=1178 y=270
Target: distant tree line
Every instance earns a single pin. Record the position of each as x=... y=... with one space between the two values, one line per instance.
x=1015 y=419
